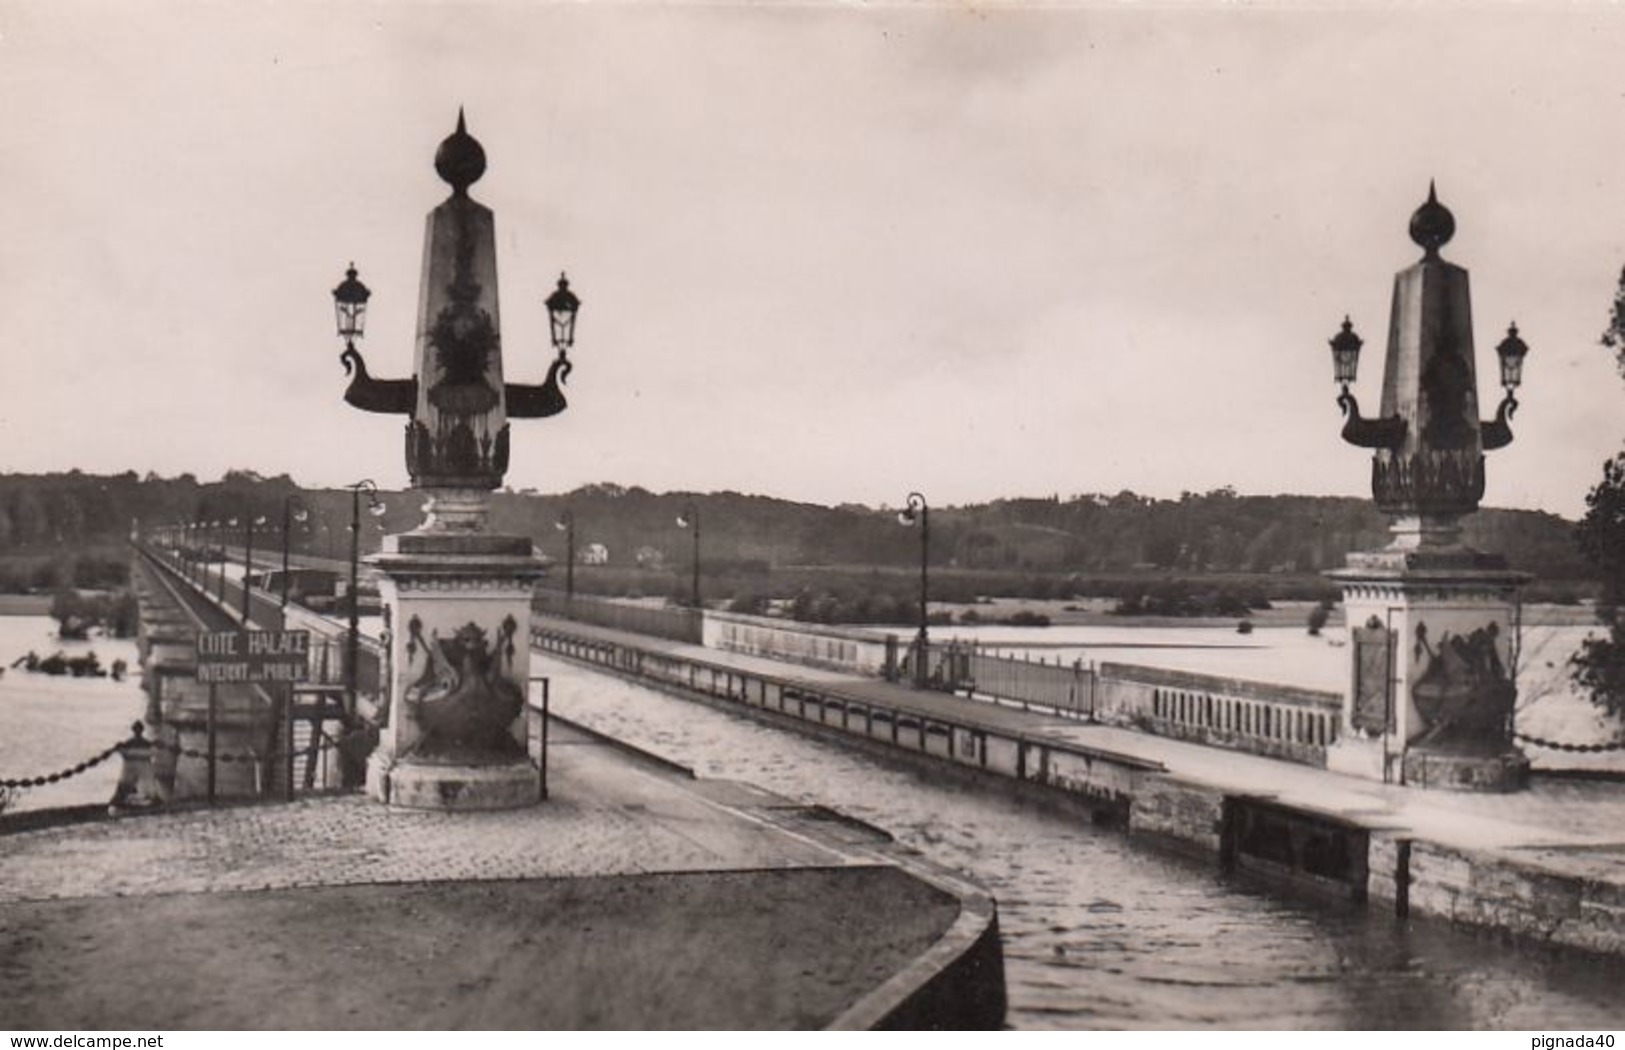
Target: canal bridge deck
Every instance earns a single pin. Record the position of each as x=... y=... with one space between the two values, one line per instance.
x=1548 y=861
x=1553 y=814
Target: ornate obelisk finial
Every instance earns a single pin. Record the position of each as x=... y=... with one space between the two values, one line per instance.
x=458 y=400
x=1428 y=468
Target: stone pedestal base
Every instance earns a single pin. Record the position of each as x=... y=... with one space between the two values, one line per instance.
x=1357 y=758
x=1505 y=772
x=1430 y=696
x=457 y=732
x=427 y=785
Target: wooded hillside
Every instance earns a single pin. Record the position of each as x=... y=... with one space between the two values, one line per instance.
x=50 y=523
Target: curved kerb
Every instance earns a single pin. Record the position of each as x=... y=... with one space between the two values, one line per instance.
x=957 y=983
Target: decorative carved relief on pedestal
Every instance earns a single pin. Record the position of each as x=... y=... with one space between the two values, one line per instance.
x=464 y=698
x=1371 y=712
x=1463 y=692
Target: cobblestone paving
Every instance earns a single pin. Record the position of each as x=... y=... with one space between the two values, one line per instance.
x=607 y=815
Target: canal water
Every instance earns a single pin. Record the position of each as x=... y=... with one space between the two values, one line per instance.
x=1101 y=931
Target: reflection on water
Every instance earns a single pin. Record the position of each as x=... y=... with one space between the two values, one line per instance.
x=1103 y=932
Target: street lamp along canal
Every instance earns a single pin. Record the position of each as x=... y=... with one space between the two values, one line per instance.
x=350 y=315
x=293 y=510
x=352 y=641
x=567 y=525
x=220 y=583
x=562 y=307
x=248 y=560
x=350 y=306
x=917 y=510
x=690 y=519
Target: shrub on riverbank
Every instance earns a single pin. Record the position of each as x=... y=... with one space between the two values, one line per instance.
x=1185 y=598
x=76 y=612
x=1019 y=618
x=881 y=594
x=94 y=568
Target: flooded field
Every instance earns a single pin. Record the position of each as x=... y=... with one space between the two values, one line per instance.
x=51 y=723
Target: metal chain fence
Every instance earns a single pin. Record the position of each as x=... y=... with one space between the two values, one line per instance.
x=137 y=739
x=326 y=743
x=13 y=783
x=1554 y=745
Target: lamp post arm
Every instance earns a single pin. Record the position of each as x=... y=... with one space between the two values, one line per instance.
x=1387 y=432
x=392 y=396
x=1497 y=433
x=532 y=401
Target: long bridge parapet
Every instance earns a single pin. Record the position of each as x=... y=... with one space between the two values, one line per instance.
x=266 y=739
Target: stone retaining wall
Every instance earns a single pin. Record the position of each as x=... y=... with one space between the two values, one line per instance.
x=1184 y=815
x=1493 y=891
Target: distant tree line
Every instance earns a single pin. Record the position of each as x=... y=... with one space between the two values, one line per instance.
x=67 y=530
x=1085 y=535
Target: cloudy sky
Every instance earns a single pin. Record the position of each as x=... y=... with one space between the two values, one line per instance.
x=830 y=252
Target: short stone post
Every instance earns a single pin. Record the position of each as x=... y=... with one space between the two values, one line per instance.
x=137 y=782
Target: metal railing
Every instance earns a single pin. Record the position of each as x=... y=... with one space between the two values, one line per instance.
x=1068 y=688
x=1099 y=775
x=678 y=625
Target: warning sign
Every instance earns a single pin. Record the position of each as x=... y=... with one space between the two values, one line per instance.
x=253 y=656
